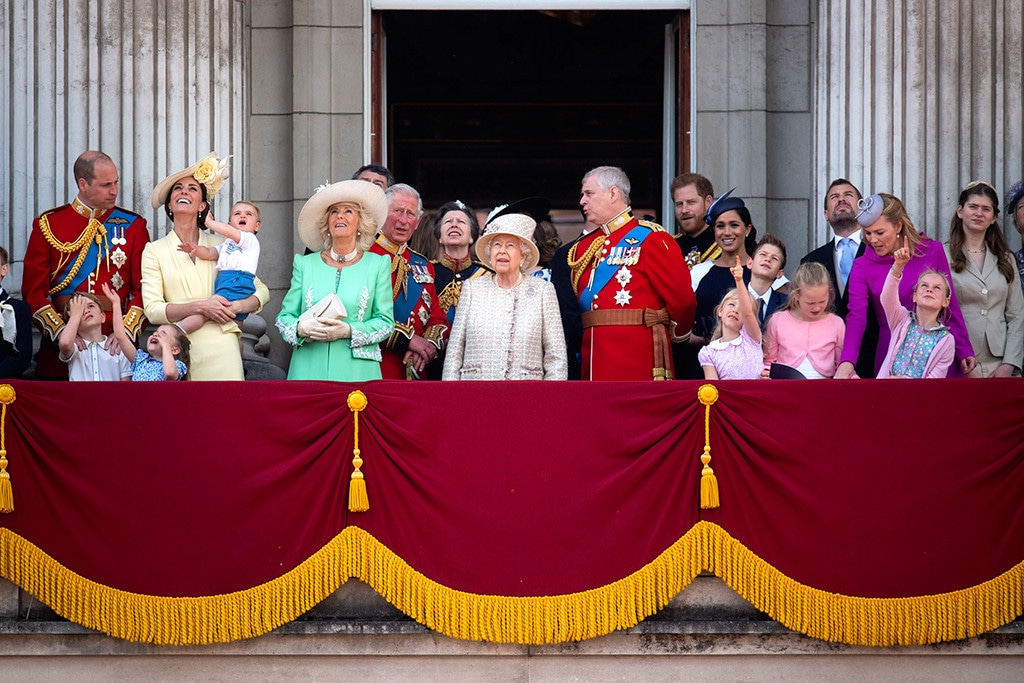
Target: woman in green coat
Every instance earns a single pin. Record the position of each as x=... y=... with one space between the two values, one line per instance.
x=339 y=306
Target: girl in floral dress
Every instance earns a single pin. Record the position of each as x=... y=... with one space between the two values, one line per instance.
x=920 y=344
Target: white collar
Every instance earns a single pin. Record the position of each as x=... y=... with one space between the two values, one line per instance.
x=719 y=344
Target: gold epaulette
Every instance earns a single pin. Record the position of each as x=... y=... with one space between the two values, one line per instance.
x=133 y=320
x=435 y=335
x=650 y=224
x=50 y=321
x=401 y=330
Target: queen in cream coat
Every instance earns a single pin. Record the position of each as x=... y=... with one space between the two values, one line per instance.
x=507 y=325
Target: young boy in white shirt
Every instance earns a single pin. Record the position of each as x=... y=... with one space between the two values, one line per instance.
x=237 y=257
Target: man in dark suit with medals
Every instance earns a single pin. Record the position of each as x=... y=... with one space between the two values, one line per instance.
x=79 y=247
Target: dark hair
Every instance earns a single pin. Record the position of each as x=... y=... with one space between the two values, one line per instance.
x=994 y=239
x=378 y=169
x=201 y=216
x=3 y=257
x=474 y=224
x=840 y=181
x=545 y=236
x=773 y=241
x=700 y=183
x=185 y=346
x=85 y=165
x=743 y=211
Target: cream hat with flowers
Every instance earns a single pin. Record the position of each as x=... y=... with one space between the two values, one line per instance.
x=366 y=196
x=211 y=171
x=515 y=224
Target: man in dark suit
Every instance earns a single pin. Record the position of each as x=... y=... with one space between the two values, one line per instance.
x=838 y=254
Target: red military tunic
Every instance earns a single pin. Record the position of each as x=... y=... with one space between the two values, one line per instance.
x=72 y=250
x=648 y=272
x=416 y=308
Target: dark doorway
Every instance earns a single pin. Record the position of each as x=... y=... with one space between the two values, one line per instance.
x=491 y=106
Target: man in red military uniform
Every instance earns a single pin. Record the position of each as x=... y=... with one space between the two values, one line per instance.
x=421 y=327
x=632 y=284
x=79 y=247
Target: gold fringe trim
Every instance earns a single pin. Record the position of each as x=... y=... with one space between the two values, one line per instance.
x=524 y=620
x=7 y=396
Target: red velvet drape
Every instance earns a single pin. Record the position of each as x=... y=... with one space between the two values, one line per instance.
x=865 y=488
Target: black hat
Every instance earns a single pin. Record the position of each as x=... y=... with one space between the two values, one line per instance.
x=536 y=208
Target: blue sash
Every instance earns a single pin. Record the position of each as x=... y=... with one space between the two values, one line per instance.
x=116 y=224
x=604 y=271
x=413 y=289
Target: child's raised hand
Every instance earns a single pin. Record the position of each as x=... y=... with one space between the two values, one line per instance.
x=215 y=225
x=115 y=300
x=737 y=270
x=901 y=256
x=77 y=306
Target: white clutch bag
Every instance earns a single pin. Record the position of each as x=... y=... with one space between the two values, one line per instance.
x=328 y=308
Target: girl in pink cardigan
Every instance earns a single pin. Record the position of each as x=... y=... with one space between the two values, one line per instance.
x=804 y=333
x=920 y=345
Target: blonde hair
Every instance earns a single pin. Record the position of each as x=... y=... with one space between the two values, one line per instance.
x=730 y=294
x=809 y=274
x=365 y=231
x=944 y=313
x=895 y=211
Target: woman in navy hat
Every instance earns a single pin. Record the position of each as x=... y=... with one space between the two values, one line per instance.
x=730 y=219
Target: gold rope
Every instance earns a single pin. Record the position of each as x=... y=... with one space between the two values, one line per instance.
x=577 y=266
x=7 y=396
x=358 y=501
x=538 y=620
x=707 y=395
x=94 y=230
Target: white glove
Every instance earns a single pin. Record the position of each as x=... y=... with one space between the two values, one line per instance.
x=330 y=330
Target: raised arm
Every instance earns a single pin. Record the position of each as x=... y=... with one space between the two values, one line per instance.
x=120 y=333
x=750 y=322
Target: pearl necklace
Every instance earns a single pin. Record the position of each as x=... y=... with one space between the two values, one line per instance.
x=343 y=258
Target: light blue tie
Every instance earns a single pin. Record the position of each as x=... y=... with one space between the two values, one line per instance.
x=846 y=251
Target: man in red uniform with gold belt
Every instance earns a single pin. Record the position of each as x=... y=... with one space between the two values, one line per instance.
x=632 y=284
x=79 y=247
x=421 y=327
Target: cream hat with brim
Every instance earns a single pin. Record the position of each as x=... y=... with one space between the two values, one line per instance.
x=211 y=171
x=515 y=224
x=366 y=196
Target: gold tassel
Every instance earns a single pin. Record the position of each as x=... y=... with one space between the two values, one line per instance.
x=7 y=396
x=707 y=395
x=358 y=500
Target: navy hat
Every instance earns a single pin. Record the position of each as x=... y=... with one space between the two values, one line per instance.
x=536 y=208
x=721 y=205
x=1013 y=196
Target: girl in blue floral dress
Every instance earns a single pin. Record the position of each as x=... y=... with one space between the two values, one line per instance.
x=166 y=357
x=920 y=344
